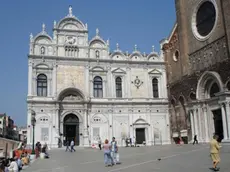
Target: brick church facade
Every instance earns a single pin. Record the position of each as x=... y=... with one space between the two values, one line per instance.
x=198 y=69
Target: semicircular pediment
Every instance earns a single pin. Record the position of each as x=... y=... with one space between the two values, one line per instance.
x=71 y=23
x=71 y=94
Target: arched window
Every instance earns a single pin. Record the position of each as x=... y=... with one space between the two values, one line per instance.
x=97 y=87
x=118 y=87
x=42 y=85
x=155 y=88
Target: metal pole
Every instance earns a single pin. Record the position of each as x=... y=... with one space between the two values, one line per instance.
x=33 y=151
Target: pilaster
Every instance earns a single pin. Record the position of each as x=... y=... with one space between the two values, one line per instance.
x=224 y=121
x=192 y=123
x=199 y=113
x=30 y=77
x=129 y=82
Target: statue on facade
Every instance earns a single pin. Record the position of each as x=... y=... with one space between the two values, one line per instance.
x=70 y=11
x=31 y=37
x=42 y=50
x=97 y=32
x=43 y=27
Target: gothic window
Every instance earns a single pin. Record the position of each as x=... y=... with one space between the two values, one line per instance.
x=205 y=18
x=214 y=89
x=155 y=88
x=71 y=51
x=42 y=85
x=97 y=53
x=97 y=87
x=118 y=87
x=43 y=50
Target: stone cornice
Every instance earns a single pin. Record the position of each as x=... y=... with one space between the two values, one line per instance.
x=62 y=58
x=104 y=102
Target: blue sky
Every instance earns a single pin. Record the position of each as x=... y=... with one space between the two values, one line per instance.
x=127 y=22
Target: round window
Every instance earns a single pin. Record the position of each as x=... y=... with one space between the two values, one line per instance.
x=204 y=19
x=176 y=56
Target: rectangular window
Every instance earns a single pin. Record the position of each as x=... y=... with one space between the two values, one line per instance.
x=96 y=133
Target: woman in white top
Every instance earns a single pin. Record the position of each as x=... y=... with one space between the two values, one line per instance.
x=13 y=166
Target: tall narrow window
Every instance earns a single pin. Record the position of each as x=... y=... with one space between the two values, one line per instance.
x=42 y=85
x=43 y=50
x=155 y=88
x=97 y=87
x=118 y=87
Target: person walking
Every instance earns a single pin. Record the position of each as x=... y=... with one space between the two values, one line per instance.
x=67 y=146
x=99 y=143
x=107 y=153
x=72 y=146
x=114 y=150
x=195 y=140
x=214 y=152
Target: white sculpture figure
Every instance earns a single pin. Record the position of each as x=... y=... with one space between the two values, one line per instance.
x=117 y=45
x=86 y=26
x=31 y=37
x=42 y=50
x=144 y=54
x=43 y=27
x=97 y=32
x=70 y=11
x=153 y=47
x=107 y=42
x=55 y=23
x=127 y=53
x=135 y=47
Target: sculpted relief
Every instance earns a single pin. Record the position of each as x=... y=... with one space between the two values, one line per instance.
x=70 y=40
x=72 y=98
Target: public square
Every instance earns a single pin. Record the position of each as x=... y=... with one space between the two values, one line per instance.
x=174 y=158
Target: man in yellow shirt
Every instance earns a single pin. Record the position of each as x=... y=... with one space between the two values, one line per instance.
x=214 y=152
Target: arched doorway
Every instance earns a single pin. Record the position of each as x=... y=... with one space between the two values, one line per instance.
x=71 y=128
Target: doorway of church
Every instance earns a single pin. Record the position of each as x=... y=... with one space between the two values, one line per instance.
x=71 y=129
x=140 y=135
x=218 y=123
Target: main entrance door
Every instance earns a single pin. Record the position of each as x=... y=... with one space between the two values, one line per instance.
x=140 y=135
x=71 y=128
x=218 y=123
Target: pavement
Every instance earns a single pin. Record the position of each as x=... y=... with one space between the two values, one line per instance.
x=174 y=158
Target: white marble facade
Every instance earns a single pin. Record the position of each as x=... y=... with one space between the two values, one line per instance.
x=110 y=93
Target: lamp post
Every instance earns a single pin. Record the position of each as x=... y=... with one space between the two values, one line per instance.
x=33 y=121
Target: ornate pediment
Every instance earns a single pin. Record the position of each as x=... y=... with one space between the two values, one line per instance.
x=155 y=71
x=118 y=70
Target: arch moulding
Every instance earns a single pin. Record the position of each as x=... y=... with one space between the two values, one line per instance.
x=205 y=77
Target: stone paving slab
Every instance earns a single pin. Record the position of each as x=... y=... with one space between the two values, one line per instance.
x=185 y=158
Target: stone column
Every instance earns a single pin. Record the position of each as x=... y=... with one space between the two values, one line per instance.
x=228 y=117
x=129 y=82
x=87 y=91
x=149 y=128
x=199 y=113
x=192 y=123
x=224 y=121
x=206 y=125
x=30 y=77
x=54 y=80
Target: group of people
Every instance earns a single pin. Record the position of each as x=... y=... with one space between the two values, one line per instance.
x=111 y=156
x=71 y=144
x=14 y=164
x=42 y=149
